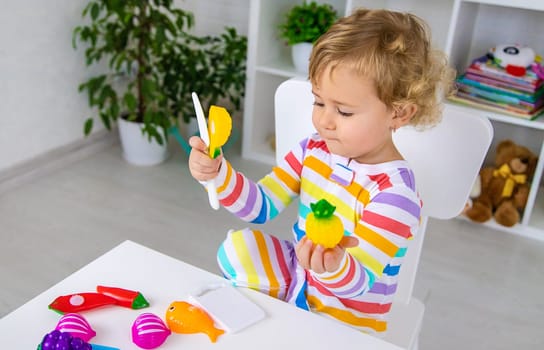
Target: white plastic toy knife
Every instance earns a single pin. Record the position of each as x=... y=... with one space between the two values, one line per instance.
x=205 y=136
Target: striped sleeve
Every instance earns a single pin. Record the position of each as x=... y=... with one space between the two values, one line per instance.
x=348 y=281
x=258 y=202
x=385 y=228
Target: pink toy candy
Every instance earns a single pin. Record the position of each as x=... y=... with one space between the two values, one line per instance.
x=149 y=331
x=76 y=325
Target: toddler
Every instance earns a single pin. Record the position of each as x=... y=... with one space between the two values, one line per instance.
x=372 y=73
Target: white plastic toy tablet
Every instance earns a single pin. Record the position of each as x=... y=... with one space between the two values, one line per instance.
x=232 y=310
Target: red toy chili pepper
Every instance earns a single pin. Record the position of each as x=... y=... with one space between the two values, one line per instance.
x=127 y=298
x=80 y=302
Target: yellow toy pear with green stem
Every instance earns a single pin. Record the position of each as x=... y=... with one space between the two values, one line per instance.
x=322 y=226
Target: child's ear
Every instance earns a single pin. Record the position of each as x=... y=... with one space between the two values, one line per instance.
x=404 y=114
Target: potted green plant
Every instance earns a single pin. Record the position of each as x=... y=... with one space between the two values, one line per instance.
x=216 y=68
x=303 y=24
x=152 y=64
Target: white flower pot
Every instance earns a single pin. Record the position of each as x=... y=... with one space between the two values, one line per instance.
x=137 y=148
x=300 y=54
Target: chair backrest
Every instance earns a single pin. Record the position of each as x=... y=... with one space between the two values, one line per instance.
x=445 y=159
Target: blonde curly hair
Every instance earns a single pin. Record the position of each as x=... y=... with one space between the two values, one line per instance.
x=394 y=50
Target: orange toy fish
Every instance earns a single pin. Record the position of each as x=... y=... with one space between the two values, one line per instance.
x=182 y=317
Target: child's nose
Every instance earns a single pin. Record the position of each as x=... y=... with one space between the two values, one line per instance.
x=326 y=119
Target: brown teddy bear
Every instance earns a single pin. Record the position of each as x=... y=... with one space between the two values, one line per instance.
x=504 y=188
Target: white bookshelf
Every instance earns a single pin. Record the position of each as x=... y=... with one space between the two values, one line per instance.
x=475 y=27
x=464 y=29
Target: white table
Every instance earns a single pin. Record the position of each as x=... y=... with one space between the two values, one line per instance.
x=162 y=279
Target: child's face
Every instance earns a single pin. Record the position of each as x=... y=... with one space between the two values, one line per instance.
x=351 y=118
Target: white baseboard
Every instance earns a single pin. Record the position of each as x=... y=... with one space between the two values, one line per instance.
x=55 y=159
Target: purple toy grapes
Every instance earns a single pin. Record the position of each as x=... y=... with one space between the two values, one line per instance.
x=57 y=340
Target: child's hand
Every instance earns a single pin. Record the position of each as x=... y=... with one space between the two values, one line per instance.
x=202 y=167
x=320 y=260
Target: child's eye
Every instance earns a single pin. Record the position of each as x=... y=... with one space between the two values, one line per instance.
x=318 y=104
x=344 y=114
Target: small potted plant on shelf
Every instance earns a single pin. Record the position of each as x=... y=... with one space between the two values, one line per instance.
x=302 y=26
x=151 y=63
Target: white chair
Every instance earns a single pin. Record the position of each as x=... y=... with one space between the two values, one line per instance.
x=445 y=159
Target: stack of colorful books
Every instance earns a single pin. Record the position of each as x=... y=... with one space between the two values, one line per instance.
x=485 y=84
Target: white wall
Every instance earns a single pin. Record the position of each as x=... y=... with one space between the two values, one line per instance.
x=212 y=16
x=40 y=107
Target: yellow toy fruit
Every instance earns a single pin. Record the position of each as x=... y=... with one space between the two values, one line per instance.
x=219 y=127
x=322 y=226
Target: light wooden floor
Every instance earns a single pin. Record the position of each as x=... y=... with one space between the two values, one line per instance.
x=483 y=289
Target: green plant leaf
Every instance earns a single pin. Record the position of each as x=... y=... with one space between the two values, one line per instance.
x=88 y=126
x=130 y=101
x=75 y=35
x=95 y=11
x=115 y=6
x=160 y=36
x=114 y=109
x=149 y=88
x=105 y=120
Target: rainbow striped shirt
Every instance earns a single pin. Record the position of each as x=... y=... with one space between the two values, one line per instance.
x=377 y=203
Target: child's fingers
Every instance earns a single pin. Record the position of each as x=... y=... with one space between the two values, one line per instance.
x=348 y=242
x=333 y=258
x=303 y=250
x=316 y=261
x=197 y=143
x=201 y=166
x=320 y=260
